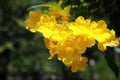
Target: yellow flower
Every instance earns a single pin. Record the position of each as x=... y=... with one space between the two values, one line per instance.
x=70 y=40
x=59 y=15
x=100 y=31
x=81 y=26
x=111 y=42
x=69 y=51
x=34 y=17
x=79 y=64
x=52 y=46
x=62 y=32
x=82 y=29
x=104 y=36
x=47 y=25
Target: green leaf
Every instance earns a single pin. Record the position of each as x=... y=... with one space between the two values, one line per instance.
x=20 y=22
x=54 y=5
x=67 y=9
x=111 y=63
x=35 y=6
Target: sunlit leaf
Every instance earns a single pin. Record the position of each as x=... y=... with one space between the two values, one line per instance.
x=67 y=9
x=53 y=5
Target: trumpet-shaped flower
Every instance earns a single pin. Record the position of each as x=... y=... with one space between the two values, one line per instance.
x=104 y=36
x=60 y=15
x=79 y=64
x=70 y=40
x=47 y=25
x=34 y=17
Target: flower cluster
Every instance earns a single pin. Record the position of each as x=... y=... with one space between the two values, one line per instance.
x=69 y=40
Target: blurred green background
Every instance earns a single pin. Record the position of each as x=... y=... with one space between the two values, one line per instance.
x=23 y=55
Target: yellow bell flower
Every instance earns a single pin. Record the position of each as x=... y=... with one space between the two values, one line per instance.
x=47 y=25
x=79 y=64
x=104 y=36
x=34 y=17
x=60 y=15
x=52 y=46
x=70 y=40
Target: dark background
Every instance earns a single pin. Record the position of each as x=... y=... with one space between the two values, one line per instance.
x=23 y=55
